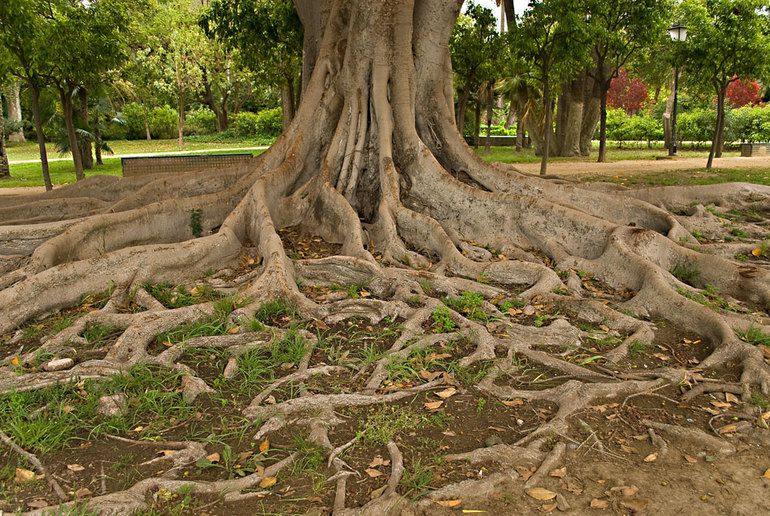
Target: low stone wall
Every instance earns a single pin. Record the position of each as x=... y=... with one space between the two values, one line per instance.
x=494 y=141
x=754 y=149
x=179 y=164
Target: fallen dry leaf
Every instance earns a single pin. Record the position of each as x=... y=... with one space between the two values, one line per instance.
x=651 y=457
x=767 y=473
x=540 y=493
x=213 y=458
x=549 y=507
x=378 y=461
x=599 y=504
x=757 y=251
x=234 y=330
x=525 y=472
x=629 y=449
x=512 y=403
x=37 y=504
x=83 y=491
x=259 y=471
x=24 y=475
x=433 y=405
x=427 y=375
x=267 y=482
x=75 y=467
x=378 y=492
x=690 y=459
x=731 y=398
x=727 y=429
x=629 y=491
x=373 y=473
x=636 y=506
x=15 y=360
x=720 y=404
x=447 y=393
x=559 y=473
x=264 y=446
x=449 y=503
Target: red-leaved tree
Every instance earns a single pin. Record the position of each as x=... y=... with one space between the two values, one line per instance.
x=743 y=92
x=626 y=93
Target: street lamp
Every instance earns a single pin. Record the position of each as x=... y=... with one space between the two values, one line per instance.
x=678 y=33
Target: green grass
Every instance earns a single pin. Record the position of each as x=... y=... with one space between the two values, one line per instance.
x=689 y=177
x=470 y=304
x=509 y=154
x=63 y=172
x=685 y=272
x=753 y=335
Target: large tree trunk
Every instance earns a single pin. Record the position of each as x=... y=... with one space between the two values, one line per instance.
x=38 y=121
x=462 y=106
x=65 y=94
x=12 y=95
x=374 y=164
x=5 y=169
x=570 y=113
x=84 y=145
x=287 y=102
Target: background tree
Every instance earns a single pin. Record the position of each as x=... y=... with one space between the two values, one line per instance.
x=13 y=105
x=619 y=29
x=743 y=93
x=22 y=34
x=269 y=37
x=727 y=39
x=627 y=93
x=545 y=38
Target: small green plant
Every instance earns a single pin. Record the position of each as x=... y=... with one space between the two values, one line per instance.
x=540 y=320
x=636 y=347
x=384 y=423
x=274 y=310
x=427 y=288
x=685 y=273
x=753 y=335
x=195 y=222
x=470 y=304
x=480 y=404
x=442 y=320
x=759 y=400
x=738 y=233
x=417 y=480
x=97 y=334
x=741 y=257
x=414 y=301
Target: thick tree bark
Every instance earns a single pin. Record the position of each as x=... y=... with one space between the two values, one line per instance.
x=65 y=94
x=38 y=121
x=12 y=95
x=462 y=107
x=490 y=96
x=84 y=145
x=220 y=112
x=548 y=123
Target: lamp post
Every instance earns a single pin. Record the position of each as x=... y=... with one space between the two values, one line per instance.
x=678 y=33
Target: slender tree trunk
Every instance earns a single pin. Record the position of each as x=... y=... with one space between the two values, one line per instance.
x=603 y=127
x=14 y=110
x=547 y=125
x=181 y=120
x=38 y=121
x=5 y=168
x=148 y=137
x=98 y=144
x=510 y=119
x=67 y=108
x=86 y=154
x=490 y=106
x=667 y=115
x=721 y=134
x=477 y=121
x=519 y=134
x=718 y=128
x=462 y=106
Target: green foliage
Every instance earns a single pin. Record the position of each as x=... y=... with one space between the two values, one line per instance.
x=164 y=122
x=200 y=121
x=469 y=304
x=685 y=272
x=442 y=320
x=384 y=423
x=754 y=335
x=265 y=124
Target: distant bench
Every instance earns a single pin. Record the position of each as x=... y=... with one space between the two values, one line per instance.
x=178 y=164
x=754 y=149
x=494 y=141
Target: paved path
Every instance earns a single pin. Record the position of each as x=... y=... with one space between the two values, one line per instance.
x=145 y=154
x=637 y=166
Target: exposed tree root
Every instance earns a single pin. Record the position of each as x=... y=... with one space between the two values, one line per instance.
x=371 y=163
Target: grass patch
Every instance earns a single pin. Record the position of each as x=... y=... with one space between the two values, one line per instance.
x=753 y=335
x=97 y=334
x=685 y=273
x=469 y=304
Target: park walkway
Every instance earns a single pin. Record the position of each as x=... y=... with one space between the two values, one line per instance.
x=641 y=166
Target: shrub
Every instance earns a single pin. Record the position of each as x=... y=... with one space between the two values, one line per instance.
x=133 y=114
x=163 y=122
x=200 y=121
x=267 y=123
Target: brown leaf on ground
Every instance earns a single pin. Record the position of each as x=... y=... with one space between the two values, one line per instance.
x=24 y=475
x=540 y=493
x=512 y=403
x=378 y=492
x=629 y=449
x=651 y=457
x=525 y=472
x=559 y=473
x=264 y=446
x=731 y=398
x=549 y=507
x=213 y=458
x=449 y=503
x=599 y=504
x=727 y=429
x=447 y=393
x=637 y=506
x=82 y=492
x=427 y=375
x=75 y=467
x=690 y=459
x=373 y=473
x=767 y=473
x=434 y=405
x=378 y=461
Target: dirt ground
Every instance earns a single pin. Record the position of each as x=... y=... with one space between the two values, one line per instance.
x=653 y=452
